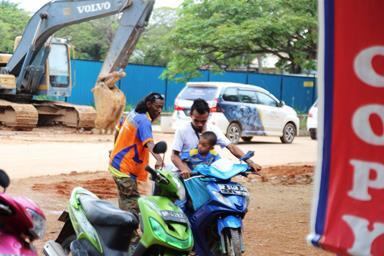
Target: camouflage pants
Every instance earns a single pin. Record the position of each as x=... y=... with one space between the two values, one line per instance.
x=128 y=193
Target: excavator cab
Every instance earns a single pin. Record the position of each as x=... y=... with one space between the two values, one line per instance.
x=57 y=79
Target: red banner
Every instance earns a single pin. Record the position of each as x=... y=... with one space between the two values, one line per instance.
x=348 y=215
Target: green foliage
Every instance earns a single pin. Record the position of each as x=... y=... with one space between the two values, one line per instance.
x=152 y=48
x=221 y=34
x=12 y=23
x=91 y=40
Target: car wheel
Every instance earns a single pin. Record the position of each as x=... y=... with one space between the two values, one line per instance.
x=247 y=139
x=289 y=133
x=234 y=133
x=312 y=134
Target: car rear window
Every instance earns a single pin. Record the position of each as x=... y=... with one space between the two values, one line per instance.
x=195 y=92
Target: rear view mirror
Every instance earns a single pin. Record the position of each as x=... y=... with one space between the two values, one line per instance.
x=280 y=103
x=247 y=156
x=160 y=147
x=4 y=179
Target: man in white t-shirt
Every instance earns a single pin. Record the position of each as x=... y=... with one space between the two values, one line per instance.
x=187 y=137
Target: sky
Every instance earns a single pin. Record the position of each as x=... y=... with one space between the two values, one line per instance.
x=33 y=5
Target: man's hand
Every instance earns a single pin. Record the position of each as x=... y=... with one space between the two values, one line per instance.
x=254 y=166
x=158 y=164
x=185 y=173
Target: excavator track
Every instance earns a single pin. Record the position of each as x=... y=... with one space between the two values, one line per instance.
x=18 y=116
x=22 y=116
x=56 y=112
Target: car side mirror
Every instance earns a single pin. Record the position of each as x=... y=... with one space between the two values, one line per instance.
x=280 y=103
x=4 y=179
x=160 y=147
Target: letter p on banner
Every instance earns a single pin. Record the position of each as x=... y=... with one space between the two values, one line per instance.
x=348 y=209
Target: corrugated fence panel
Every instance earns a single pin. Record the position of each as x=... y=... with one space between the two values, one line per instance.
x=84 y=75
x=235 y=77
x=140 y=81
x=272 y=83
x=299 y=92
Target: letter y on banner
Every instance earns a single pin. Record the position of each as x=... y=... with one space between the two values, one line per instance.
x=348 y=209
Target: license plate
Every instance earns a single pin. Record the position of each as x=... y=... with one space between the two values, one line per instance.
x=233 y=189
x=174 y=216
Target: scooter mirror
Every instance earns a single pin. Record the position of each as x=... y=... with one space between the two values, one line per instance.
x=160 y=147
x=4 y=179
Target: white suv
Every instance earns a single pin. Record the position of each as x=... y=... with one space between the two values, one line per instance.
x=239 y=110
x=312 y=121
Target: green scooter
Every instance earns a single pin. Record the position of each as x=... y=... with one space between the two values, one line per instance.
x=97 y=227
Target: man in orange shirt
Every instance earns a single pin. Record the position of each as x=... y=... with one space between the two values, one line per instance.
x=131 y=151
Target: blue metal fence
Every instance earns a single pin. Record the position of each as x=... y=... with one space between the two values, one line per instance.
x=297 y=91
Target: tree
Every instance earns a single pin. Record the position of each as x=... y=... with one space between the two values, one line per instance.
x=91 y=39
x=221 y=34
x=12 y=23
x=153 y=47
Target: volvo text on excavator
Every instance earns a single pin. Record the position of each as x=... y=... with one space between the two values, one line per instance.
x=40 y=64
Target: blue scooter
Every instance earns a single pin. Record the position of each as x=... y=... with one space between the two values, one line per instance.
x=216 y=207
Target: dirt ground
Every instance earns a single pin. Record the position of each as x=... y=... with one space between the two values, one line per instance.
x=278 y=218
x=276 y=224
x=63 y=150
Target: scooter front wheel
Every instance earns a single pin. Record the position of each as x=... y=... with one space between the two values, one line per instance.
x=232 y=242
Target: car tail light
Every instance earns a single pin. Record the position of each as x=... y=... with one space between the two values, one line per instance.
x=215 y=107
x=176 y=108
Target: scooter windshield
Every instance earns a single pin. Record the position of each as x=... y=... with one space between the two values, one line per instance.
x=222 y=169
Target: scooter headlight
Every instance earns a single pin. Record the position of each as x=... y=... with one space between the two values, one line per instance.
x=38 y=221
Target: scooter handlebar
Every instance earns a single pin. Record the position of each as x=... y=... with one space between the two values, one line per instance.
x=151 y=170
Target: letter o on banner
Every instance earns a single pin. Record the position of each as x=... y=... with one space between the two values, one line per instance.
x=362 y=126
x=364 y=69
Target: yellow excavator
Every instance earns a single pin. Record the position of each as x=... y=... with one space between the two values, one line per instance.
x=40 y=64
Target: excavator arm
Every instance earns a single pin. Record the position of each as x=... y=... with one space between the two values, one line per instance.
x=56 y=15
x=132 y=24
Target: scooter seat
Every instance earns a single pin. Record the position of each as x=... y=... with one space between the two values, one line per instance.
x=104 y=213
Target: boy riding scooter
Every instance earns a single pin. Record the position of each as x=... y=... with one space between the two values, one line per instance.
x=204 y=153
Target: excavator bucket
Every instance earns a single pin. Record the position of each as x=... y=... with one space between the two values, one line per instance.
x=109 y=102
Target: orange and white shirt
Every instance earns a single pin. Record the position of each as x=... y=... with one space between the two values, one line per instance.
x=130 y=155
